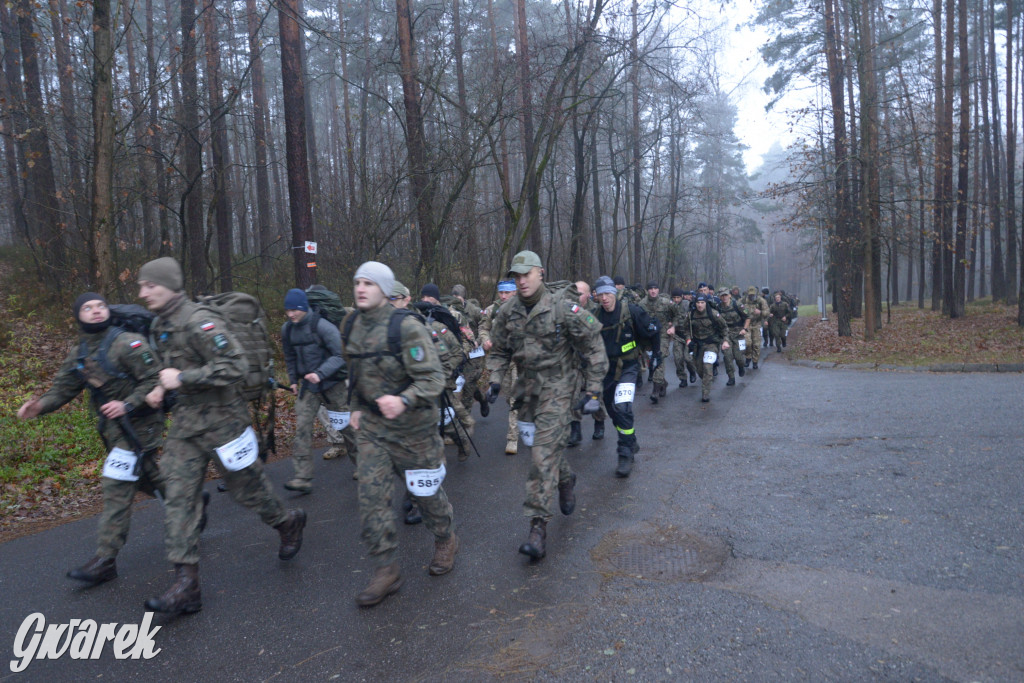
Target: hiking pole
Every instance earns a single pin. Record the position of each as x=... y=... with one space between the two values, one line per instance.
x=457 y=423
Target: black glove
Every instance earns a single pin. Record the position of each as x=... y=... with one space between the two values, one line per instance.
x=588 y=403
x=492 y=392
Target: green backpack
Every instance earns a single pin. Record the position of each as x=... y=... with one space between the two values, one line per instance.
x=247 y=322
x=326 y=303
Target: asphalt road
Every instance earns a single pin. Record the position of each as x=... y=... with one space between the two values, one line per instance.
x=804 y=525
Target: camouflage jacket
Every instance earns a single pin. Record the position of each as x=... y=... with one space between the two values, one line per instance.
x=757 y=309
x=543 y=341
x=661 y=309
x=415 y=373
x=129 y=355
x=734 y=317
x=195 y=340
x=780 y=310
x=708 y=327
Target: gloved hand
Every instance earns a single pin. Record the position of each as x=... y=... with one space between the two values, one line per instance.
x=589 y=403
x=492 y=392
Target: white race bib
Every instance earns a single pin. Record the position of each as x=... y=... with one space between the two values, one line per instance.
x=478 y=352
x=424 y=483
x=339 y=419
x=743 y=344
x=241 y=452
x=527 y=430
x=460 y=382
x=710 y=357
x=624 y=392
x=120 y=464
x=446 y=417
x=785 y=332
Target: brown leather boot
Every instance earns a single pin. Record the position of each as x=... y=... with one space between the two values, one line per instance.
x=291 y=534
x=96 y=570
x=183 y=596
x=385 y=581
x=444 y=555
x=534 y=546
x=567 y=495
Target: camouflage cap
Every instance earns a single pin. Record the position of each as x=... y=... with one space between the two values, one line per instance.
x=524 y=262
x=751 y=289
x=399 y=290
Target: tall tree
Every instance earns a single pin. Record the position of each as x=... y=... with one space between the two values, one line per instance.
x=193 y=228
x=960 y=256
x=104 y=275
x=219 y=147
x=293 y=85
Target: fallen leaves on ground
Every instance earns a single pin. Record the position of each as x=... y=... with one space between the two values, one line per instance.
x=988 y=333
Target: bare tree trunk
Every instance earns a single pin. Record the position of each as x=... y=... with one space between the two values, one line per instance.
x=12 y=119
x=350 y=163
x=536 y=241
x=313 y=157
x=602 y=265
x=869 y=162
x=1011 y=164
x=193 y=230
x=472 y=267
x=637 y=224
x=65 y=77
x=959 y=275
x=295 y=140
x=503 y=166
x=49 y=227
x=156 y=137
x=264 y=230
x=221 y=202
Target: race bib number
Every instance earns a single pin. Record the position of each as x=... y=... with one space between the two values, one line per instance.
x=710 y=357
x=339 y=419
x=785 y=332
x=446 y=417
x=424 y=483
x=527 y=430
x=120 y=465
x=240 y=453
x=743 y=344
x=478 y=352
x=624 y=392
x=459 y=383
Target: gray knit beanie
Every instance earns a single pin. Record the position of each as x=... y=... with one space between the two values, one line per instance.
x=163 y=271
x=377 y=273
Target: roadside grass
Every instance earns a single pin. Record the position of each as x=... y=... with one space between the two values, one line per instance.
x=988 y=333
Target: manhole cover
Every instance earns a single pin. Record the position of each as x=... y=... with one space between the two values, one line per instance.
x=660 y=554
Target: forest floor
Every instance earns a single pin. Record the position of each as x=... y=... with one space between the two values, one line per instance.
x=50 y=466
x=911 y=336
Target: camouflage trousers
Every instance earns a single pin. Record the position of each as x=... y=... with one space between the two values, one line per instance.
x=306 y=408
x=705 y=370
x=754 y=342
x=345 y=438
x=778 y=332
x=682 y=357
x=461 y=413
x=381 y=453
x=473 y=370
x=550 y=412
x=118 y=495
x=732 y=355
x=507 y=383
x=184 y=468
x=658 y=377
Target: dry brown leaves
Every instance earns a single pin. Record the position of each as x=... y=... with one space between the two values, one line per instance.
x=988 y=333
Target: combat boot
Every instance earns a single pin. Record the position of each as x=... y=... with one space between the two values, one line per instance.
x=598 y=430
x=300 y=485
x=625 y=452
x=693 y=375
x=97 y=570
x=511 y=447
x=663 y=389
x=682 y=383
x=291 y=534
x=485 y=407
x=705 y=397
x=567 y=495
x=534 y=546
x=385 y=581
x=444 y=555
x=731 y=382
x=654 y=394
x=183 y=596
x=575 y=435
x=335 y=452
x=755 y=365
x=743 y=370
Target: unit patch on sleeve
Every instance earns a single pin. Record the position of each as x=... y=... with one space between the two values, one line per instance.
x=220 y=341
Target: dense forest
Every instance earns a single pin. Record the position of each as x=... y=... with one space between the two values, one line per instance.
x=443 y=136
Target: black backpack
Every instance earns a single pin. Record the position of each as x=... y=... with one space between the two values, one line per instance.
x=123 y=318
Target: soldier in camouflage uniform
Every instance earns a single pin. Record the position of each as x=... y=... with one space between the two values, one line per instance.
x=205 y=364
x=659 y=308
x=710 y=332
x=506 y=290
x=118 y=385
x=461 y=346
x=473 y=369
x=685 y=367
x=575 y=427
x=757 y=309
x=737 y=320
x=540 y=333
x=395 y=409
x=778 y=320
x=312 y=356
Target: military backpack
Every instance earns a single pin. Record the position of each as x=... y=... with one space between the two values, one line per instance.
x=247 y=322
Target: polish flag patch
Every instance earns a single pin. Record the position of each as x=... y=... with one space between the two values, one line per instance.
x=135 y=344
x=207 y=326
x=575 y=308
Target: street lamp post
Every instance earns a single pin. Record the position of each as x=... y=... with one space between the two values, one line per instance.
x=821 y=252
x=765 y=254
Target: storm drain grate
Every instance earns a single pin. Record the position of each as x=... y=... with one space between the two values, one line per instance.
x=660 y=557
